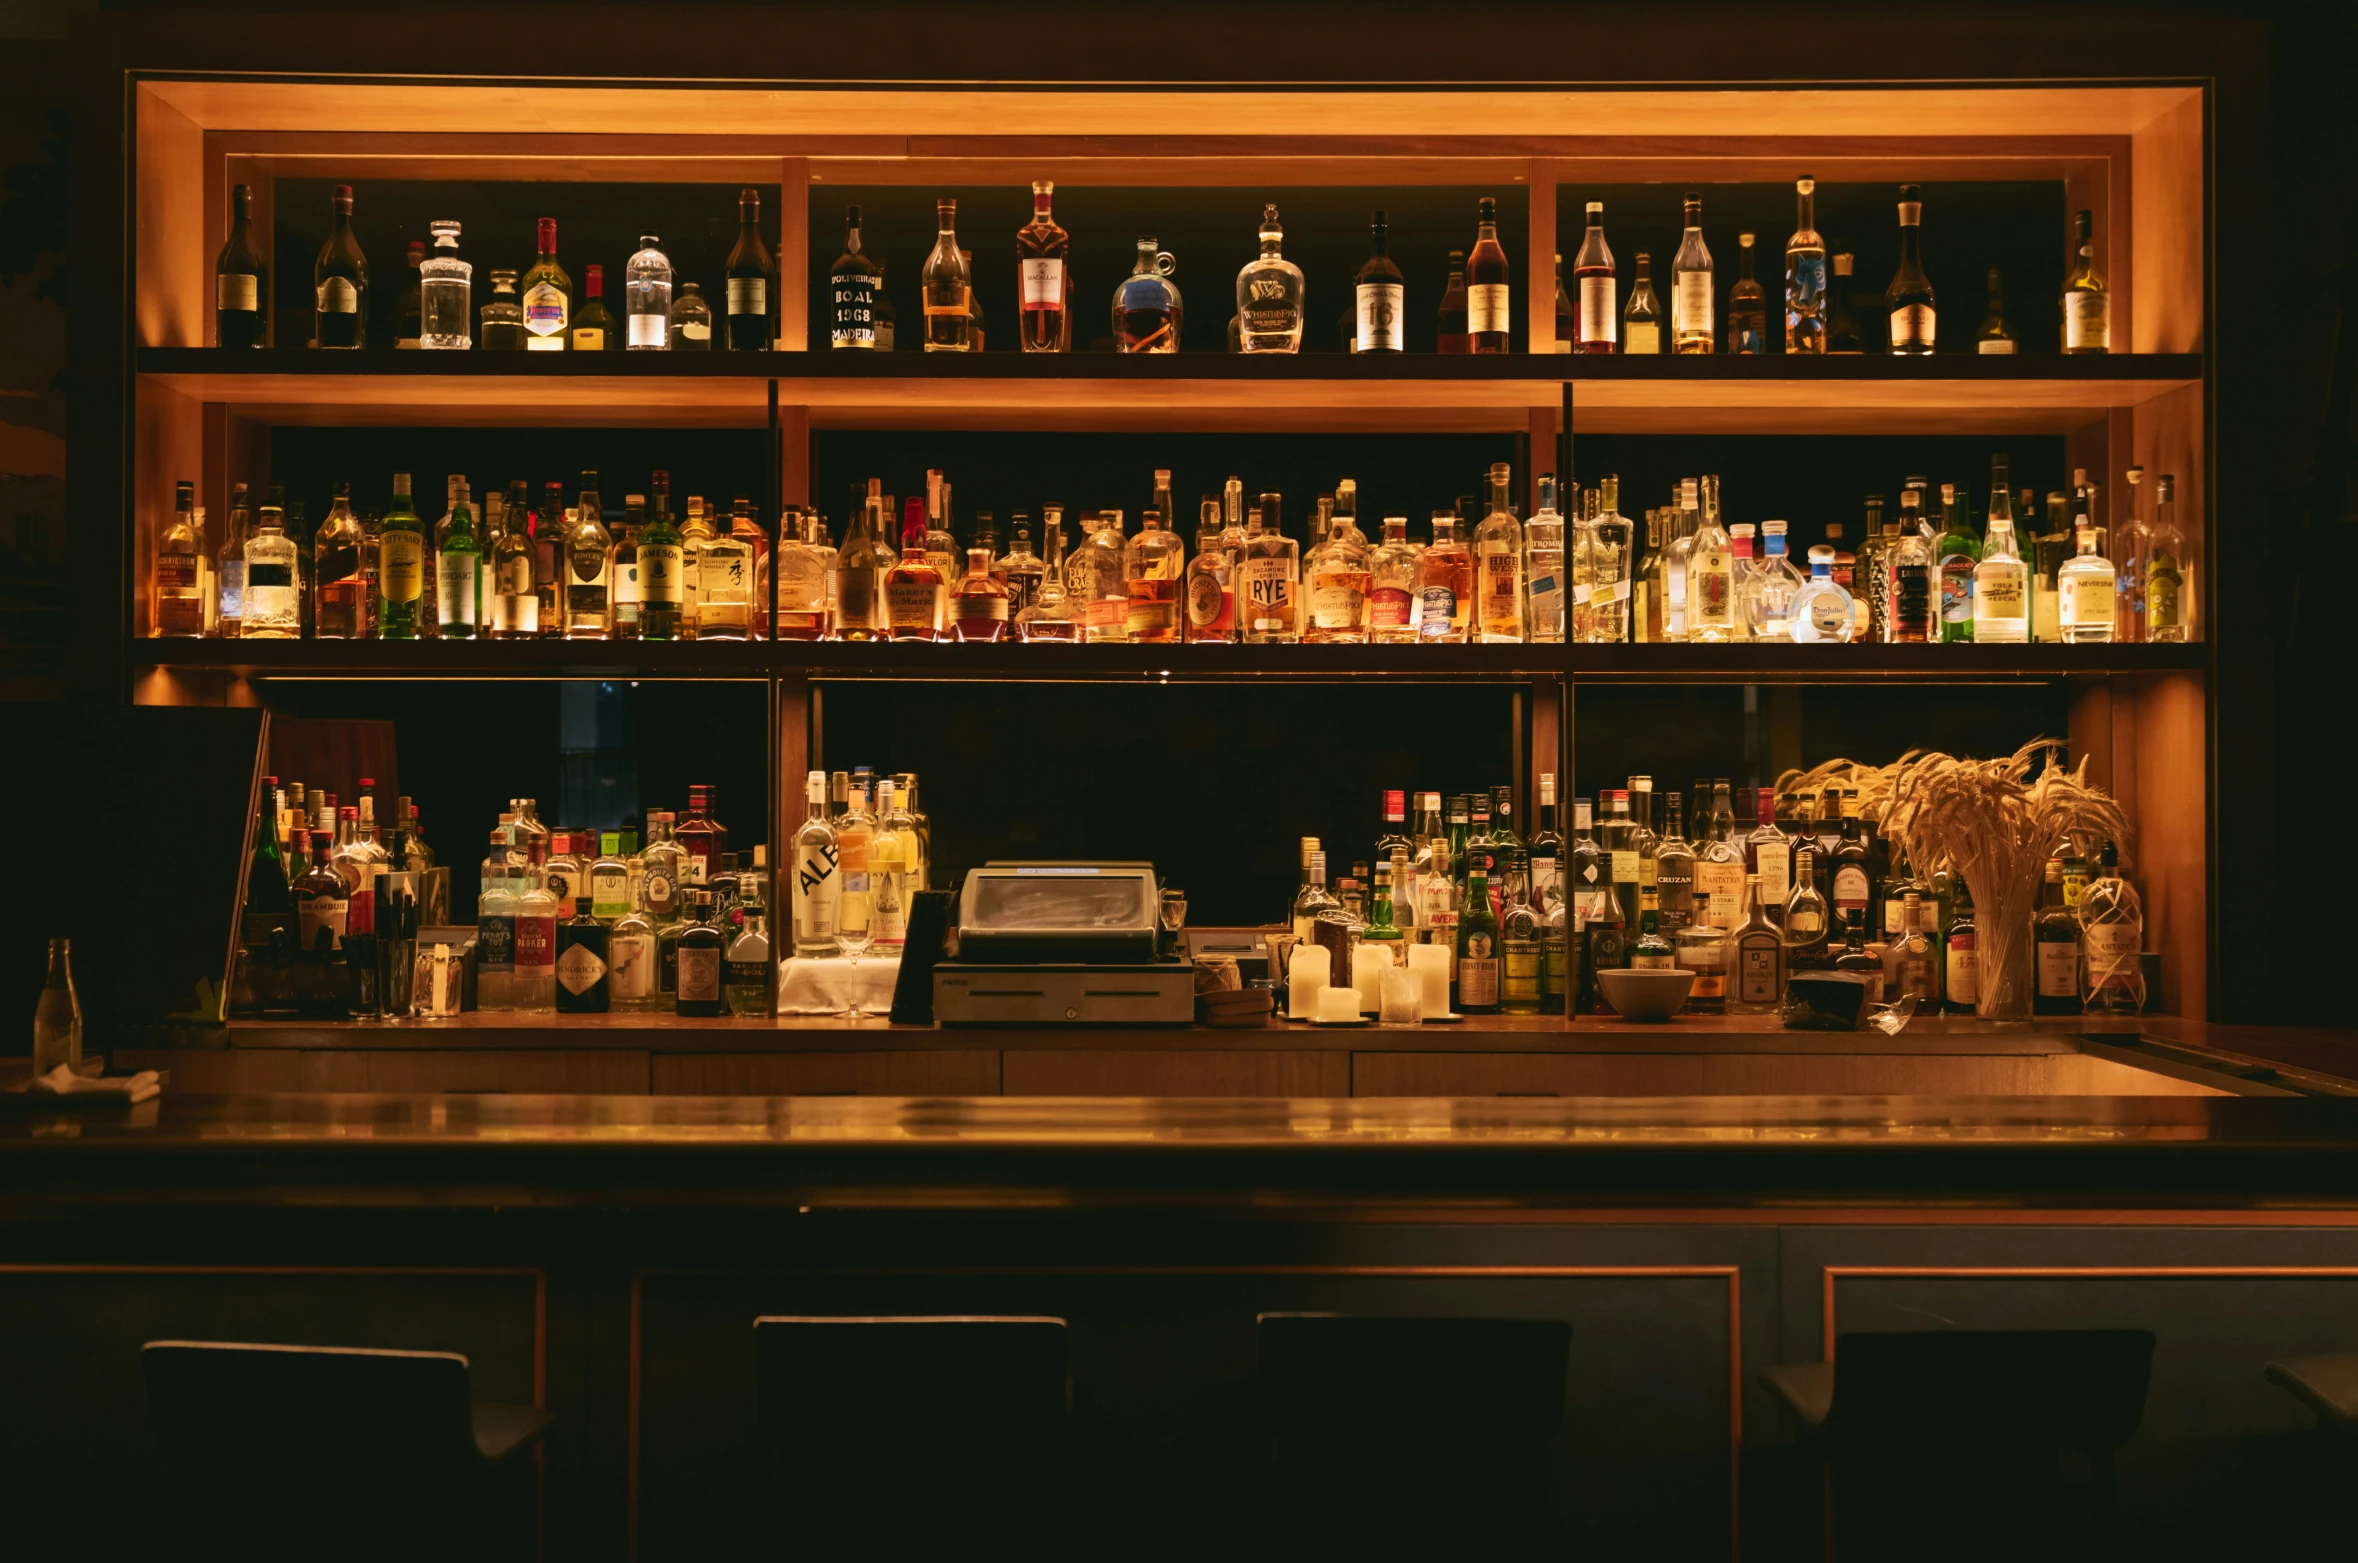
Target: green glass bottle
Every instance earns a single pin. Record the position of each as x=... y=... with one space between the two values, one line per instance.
x=1958 y=551
x=1477 y=948
x=662 y=568
x=401 y=566
x=458 y=573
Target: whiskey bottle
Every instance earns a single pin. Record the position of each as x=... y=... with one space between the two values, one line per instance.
x=623 y=570
x=1488 y=297
x=339 y=282
x=1452 y=316
x=1270 y=579
x=241 y=280
x=2087 y=307
x=548 y=297
x=662 y=567
x=175 y=570
x=503 y=316
x=1906 y=565
x=340 y=611
x=274 y=608
x=1147 y=313
x=1843 y=332
x=409 y=311
x=589 y=568
x=1597 y=328
x=949 y=321
x=1747 y=305
x=401 y=564
x=1805 y=275
x=1269 y=295
x=1641 y=320
x=913 y=587
x=1340 y=578
x=1040 y=249
x=751 y=279
x=1693 y=292
x=1994 y=337
x=1908 y=300
x=593 y=327
x=1152 y=565
x=1381 y=295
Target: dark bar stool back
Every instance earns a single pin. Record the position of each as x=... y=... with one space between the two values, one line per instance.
x=1417 y=1432
x=386 y=1447
x=942 y=1430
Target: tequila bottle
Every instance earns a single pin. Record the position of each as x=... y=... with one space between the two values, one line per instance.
x=1711 y=574
x=1152 y=564
x=1270 y=571
x=2087 y=307
x=1544 y=566
x=1909 y=298
x=1805 y=275
x=2084 y=586
x=1597 y=320
x=445 y=293
x=1392 y=594
x=1269 y=295
x=2169 y=596
x=646 y=297
x=1693 y=291
x=339 y=609
x=1747 y=305
x=1340 y=578
x=691 y=320
x=949 y=324
x=548 y=297
x=1040 y=249
x=1822 y=609
x=175 y=571
x=1147 y=312
x=1498 y=566
x=274 y=606
x=1772 y=592
x=1051 y=615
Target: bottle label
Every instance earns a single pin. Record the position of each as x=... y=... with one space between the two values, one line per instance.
x=2161 y=593
x=1850 y=888
x=2087 y=320
x=579 y=969
x=1997 y=594
x=649 y=330
x=1477 y=974
x=237 y=291
x=1692 y=303
x=175 y=572
x=1650 y=960
x=749 y=295
x=495 y=945
x=560 y=882
x=1757 y=974
x=1209 y=604
x=981 y=609
x=911 y=606
x=1645 y=337
x=1501 y=587
x=1337 y=602
x=630 y=966
x=1719 y=887
x=1956 y=589
x=1775 y=860
x=338 y=296
x=1912 y=598
x=818 y=893
x=1964 y=969
x=1436 y=611
x=1912 y=325
x=1486 y=308
x=662 y=568
x=1388 y=608
x=1269 y=594
x=2087 y=601
x=454 y=588
x=695 y=331
x=2059 y=969
x=662 y=891
x=314 y=913
x=1043 y=282
x=1380 y=309
x=1110 y=613
x=536 y=945
x=1547 y=604
x=699 y=976
x=626 y=590
x=1996 y=344
x=852 y=321
x=1625 y=866
x=1712 y=583
x=546 y=310
x=1599 y=320
x=2112 y=945
x=588 y=339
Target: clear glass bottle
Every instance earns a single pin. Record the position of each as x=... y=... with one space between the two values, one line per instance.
x=458 y=572
x=1805 y=275
x=1379 y=296
x=1341 y=574
x=1094 y=576
x=1702 y=948
x=1393 y=586
x=1756 y=957
x=446 y=313
x=1597 y=319
x=1498 y=566
x=1147 y=311
x=1822 y=610
x=2085 y=588
x=691 y=320
x=1909 y=298
x=2112 y=940
x=805 y=576
x=1019 y=569
x=1052 y=615
x=1956 y=554
x=891 y=857
x=1544 y=567
x=1153 y=563
x=1269 y=295
x=1994 y=337
x=515 y=597
x=1520 y=944
x=1610 y=538
x=1041 y=247
x=1772 y=592
x=2169 y=593
x=646 y=297
x=1641 y=319
x=949 y=327
x=859 y=572
x=339 y=603
x=1269 y=569
x=2001 y=581
x=274 y=593
x=818 y=884
x=339 y=282
x=502 y=316
x=1911 y=957
x=176 y=572
x=533 y=982
x=229 y=570
x=1489 y=298
x=1693 y=290
x=589 y=568
x=1209 y=589
x=2087 y=307
x=1445 y=584
x=1747 y=304
x=1710 y=573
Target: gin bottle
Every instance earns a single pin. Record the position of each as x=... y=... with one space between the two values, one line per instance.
x=2084 y=587
x=1269 y=295
x=2168 y=593
x=1805 y=276
x=1019 y=569
x=445 y=293
x=646 y=297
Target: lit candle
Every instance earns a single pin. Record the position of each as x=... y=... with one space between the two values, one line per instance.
x=1338 y=1004
x=1430 y=965
x=1305 y=979
x=1368 y=964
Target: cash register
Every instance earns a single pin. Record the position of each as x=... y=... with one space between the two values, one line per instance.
x=1062 y=944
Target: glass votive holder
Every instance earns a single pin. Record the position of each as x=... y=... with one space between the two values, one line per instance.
x=1400 y=997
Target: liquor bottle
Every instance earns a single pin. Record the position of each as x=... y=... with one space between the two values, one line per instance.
x=514 y=605
x=1041 y=246
x=1912 y=958
x=854 y=285
x=1209 y=586
x=533 y=985
x=751 y=279
x=339 y=611
x=495 y=925
x=274 y=608
x=458 y=573
x=548 y=297
x=1906 y=565
x=175 y=571
x=593 y=325
x=646 y=297
x=1678 y=550
x=817 y=884
x=1566 y=323
x=1052 y=615
x=1519 y=941
x=229 y=569
x=978 y=610
x=662 y=566
x=631 y=959
x=949 y=327
x=1806 y=920
x=503 y=316
x=1960 y=954
x=1341 y=576
x=241 y=280
x=691 y=320
x=1451 y=327
x=1711 y=573
x=1671 y=893
x=804 y=573
x=1597 y=328
x=1854 y=959
x=2001 y=582
x=1844 y=334
x=2087 y=307
x=1381 y=294
x=1269 y=569
x=1650 y=951
x=1609 y=552
x=1909 y=298
x=339 y=282
x=1719 y=860
x=1311 y=897
x=583 y=945
x=623 y=600
x=1693 y=292
x=2167 y=591
x=409 y=310
x=2112 y=940
x=401 y=553
x=1768 y=857
x=1957 y=555
x=1392 y=586
x=1641 y=320
x=589 y=568
x=859 y=572
x=745 y=969
x=1498 y=566
x=1269 y=295
x=1147 y=311
x=890 y=862
x=1445 y=584
x=1805 y=275
x=1477 y=949
x=747 y=535
x=1152 y=565
x=1019 y=569
x=974 y=309
x=2085 y=588
x=1488 y=298
x=446 y=299
x=1094 y=577
x=1702 y=948
x=2055 y=947
x=1849 y=881
x=1543 y=567
x=1747 y=305
x=322 y=901
x=1756 y=957
x=1994 y=337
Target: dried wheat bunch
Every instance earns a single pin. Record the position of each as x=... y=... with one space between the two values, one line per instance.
x=1996 y=821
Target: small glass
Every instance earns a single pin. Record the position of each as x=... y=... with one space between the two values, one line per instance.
x=1399 y=997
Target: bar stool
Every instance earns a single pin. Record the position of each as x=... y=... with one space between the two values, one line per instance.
x=1952 y=1443
x=2327 y=1385
x=911 y=1433
x=1391 y=1434
x=384 y=1451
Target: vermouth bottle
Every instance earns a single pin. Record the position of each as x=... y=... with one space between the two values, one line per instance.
x=1909 y=298
x=750 y=278
x=1380 y=294
x=1489 y=299
x=949 y=320
x=1041 y=247
x=1597 y=320
x=241 y=280
x=339 y=282
x=1693 y=292
x=1805 y=276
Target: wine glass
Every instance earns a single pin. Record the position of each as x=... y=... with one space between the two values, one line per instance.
x=855 y=928
x=1173 y=911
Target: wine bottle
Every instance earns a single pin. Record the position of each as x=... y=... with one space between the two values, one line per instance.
x=751 y=275
x=1909 y=299
x=339 y=282
x=241 y=280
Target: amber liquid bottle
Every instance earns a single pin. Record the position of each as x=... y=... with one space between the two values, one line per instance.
x=1453 y=338
x=1489 y=308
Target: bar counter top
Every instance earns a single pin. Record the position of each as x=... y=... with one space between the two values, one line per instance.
x=1501 y=1154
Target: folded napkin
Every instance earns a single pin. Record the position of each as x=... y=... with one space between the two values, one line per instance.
x=832 y=986
x=108 y=1090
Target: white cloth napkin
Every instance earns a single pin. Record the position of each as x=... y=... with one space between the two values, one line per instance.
x=833 y=985
x=114 y=1090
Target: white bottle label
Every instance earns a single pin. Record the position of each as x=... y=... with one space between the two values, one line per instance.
x=649 y=331
x=1486 y=307
x=337 y=296
x=2087 y=602
x=1043 y=284
x=1599 y=320
x=695 y=331
x=749 y=295
x=235 y=290
x=1912 y=325
x=630 y=972
x=1380 y=308
x=1996 y=344
x=1691 y=304
x=2087 y=320
x=454 y=589
x=660 y=568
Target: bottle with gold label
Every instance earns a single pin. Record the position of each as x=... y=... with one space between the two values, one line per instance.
x=548 y=297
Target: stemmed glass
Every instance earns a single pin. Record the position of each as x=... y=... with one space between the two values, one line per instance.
x=855 y=928
x=1173 y=910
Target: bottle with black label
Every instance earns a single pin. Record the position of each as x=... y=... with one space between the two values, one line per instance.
x=241 y=280
x=851 y=291
x=582 y=987
x=750 y=278
x=700 y=959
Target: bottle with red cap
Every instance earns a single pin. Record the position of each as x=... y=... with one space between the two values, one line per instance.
x=593 y=326
x=548 y=297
